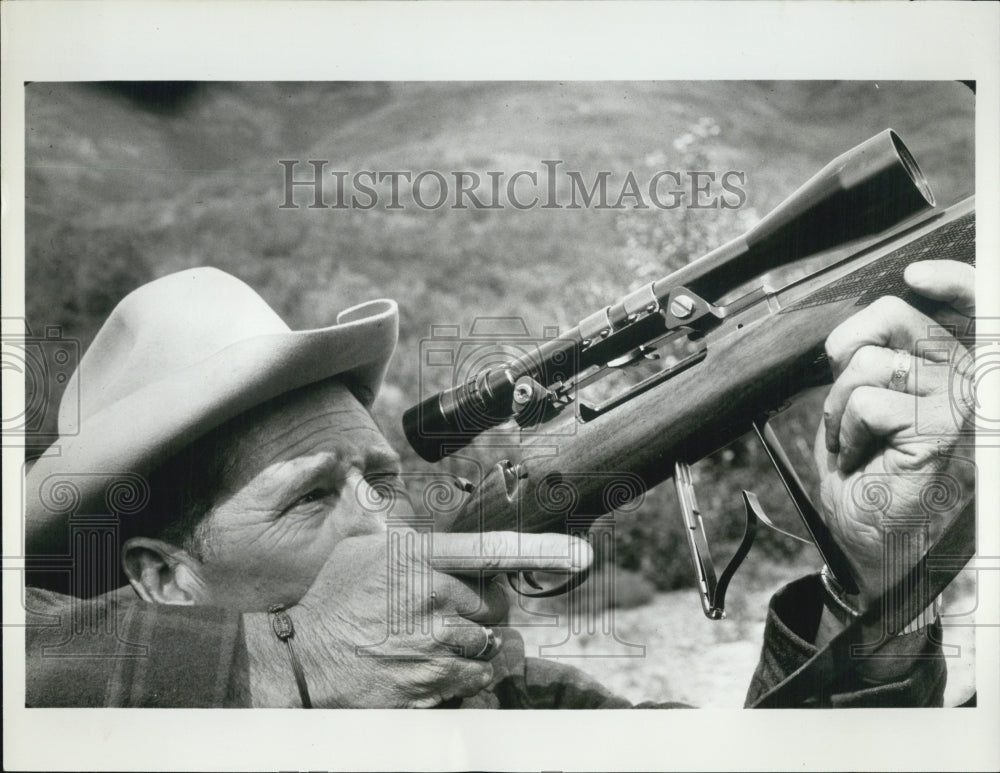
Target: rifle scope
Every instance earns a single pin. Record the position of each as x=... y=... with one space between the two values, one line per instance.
x=863 y=192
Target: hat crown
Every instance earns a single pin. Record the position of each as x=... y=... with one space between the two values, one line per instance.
x=175 y=359
x=165 y=326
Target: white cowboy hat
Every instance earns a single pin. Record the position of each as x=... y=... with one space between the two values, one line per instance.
x=176 y=358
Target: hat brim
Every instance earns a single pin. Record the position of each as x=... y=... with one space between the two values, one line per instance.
x=85 y=474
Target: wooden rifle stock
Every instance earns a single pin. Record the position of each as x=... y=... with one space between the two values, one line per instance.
x=768 y=349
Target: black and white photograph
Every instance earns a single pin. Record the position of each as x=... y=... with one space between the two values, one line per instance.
x=540 y=393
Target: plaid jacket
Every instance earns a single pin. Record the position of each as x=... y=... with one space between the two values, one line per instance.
x=119 y=651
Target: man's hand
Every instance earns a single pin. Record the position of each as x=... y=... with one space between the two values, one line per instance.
x=888 y=445
x=384 y=625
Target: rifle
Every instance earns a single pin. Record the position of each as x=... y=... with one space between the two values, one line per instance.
x=867 y=214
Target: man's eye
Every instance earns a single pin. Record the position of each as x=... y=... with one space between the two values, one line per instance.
x=313 y=496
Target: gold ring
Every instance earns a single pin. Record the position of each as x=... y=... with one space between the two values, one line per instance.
x=900 y=371
x=490 y=647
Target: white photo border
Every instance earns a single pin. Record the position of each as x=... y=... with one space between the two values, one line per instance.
x=66 y=41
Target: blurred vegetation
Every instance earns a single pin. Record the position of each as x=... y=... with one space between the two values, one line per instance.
x=125 y=184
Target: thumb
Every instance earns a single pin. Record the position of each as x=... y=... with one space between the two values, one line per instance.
x=945 y=280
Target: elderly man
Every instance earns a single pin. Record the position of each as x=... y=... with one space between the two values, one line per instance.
x=260 y=571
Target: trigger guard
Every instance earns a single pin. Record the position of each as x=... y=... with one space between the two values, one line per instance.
x=543 y=593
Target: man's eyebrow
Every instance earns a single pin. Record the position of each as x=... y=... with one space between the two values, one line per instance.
x=293 y=476
x=325 y=464
x=382 y=458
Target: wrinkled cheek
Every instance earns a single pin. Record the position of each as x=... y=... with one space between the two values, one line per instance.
x=258 y=581
x=251 y=571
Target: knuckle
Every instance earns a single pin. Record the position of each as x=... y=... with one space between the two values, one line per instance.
x=833 y=345
x=857 y=402
x=482 y=672
x=446 y=588
x=842 y=341
x=889 y=306
x=496 y=547
x=473 y=605
x=867 y=359
x=474 y=675
x=436 y=671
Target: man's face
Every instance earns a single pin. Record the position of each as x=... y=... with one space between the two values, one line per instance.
x=300 y=480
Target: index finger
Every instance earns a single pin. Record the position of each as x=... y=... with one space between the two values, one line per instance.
x=891 y=323
x=494 y=552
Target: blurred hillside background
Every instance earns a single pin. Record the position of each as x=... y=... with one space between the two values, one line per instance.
x=127 y=182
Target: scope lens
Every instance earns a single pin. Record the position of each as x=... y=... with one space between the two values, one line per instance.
x=911 y=167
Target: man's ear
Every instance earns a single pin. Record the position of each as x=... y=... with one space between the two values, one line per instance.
x=162 y=573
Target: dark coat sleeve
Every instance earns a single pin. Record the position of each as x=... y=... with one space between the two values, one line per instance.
x=116 y=651
x=792 y=620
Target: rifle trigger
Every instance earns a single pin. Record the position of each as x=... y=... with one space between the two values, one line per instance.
x=529 y=577
x=540 y=591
